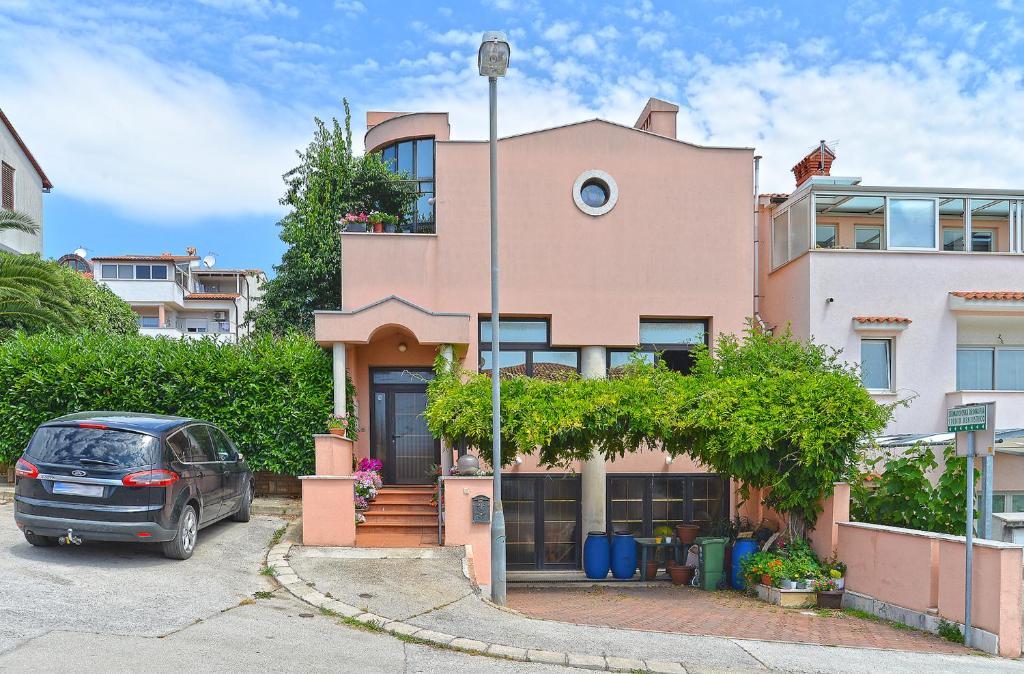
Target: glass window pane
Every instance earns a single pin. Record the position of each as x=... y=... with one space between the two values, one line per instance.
x=974 y=369
x=411 y=376
x=1016 y=503
x=799 y=227
x=110 y=271
x=424 y=209
x=619 y=359
x=532 y=332
x=998 y=503
x=780 y=239
x=911 y=223
x=142 y=272
x=425 y=158
x=124 y=271
x=825 y=236
x=983 y=241
x=160 y=271
x=874 y=363
x=953 y=239
x=1010 y=369
x=390 y=156
x=154 y=322
x=405 y=157
x=868 y=238
x=990 y=216
x=555 y=364
x=654 y=333
x=511 y=363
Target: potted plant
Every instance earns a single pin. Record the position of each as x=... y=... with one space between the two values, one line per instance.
x=680 y=574
x=339 y=424
x=651 y=572
x=687 y=533
x=383 y=222
x=836 y=570
x=355 y=222
x=829 y=594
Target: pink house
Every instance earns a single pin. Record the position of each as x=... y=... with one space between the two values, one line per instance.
x=919 y=286
x=613 y=239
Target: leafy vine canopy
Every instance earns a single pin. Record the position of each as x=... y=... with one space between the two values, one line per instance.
x=770 y=411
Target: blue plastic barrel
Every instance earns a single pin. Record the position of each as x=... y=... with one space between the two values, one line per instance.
x=597 y=555
x=623 y=555
x=743 y=547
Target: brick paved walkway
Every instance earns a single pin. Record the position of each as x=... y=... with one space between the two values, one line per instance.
x=726 y=614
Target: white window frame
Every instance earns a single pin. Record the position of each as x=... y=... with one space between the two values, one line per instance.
x=891 y=352
x=936 y=228
x=197 y=323
x=835 y=235
x=881 y=236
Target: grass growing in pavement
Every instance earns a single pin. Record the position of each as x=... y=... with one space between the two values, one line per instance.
x=278 y=535
x=863 y=615
x=950 y=632
x=268 y=571
x=262 y=594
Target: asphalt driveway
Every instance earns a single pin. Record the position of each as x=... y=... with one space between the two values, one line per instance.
x=124 y=589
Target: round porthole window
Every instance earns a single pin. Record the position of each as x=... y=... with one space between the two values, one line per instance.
x=595 y=192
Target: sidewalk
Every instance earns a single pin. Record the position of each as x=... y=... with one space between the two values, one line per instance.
x=422 y=594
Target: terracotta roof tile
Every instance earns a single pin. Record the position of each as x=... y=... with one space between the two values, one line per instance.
x=1004 y=295
x=211 y=296
x=881 y=319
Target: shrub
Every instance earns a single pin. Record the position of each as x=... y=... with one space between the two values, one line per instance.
x=269 y=395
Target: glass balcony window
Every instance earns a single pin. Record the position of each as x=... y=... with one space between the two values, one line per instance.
x=414 y=160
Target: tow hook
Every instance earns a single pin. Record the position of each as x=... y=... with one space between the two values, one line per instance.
x=70 y=539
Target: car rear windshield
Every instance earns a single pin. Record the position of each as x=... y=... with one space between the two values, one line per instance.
x=71 y=444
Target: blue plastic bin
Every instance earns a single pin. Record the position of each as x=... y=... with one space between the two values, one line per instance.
x=597 y=555
x=743 y=547
x=623 y=555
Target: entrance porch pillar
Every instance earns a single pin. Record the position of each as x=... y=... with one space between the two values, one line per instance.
x=593 y=477
x=448 y=354
x=338 y=350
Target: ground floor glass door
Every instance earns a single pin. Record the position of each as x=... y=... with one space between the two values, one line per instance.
x=641 y=503
x=542 y=521
x=399 y=436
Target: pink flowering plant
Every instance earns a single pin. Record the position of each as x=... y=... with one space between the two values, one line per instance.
x=356 y=217
x=343 y=423
x=370 y=465
x=367 y=484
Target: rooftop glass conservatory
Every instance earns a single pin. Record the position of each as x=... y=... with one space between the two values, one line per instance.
x=861 y=218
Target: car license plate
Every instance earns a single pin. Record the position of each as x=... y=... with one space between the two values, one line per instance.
x=76 y=489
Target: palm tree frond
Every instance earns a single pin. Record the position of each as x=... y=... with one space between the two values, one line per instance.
x=18 y=221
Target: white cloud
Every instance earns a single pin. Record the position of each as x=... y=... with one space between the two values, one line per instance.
x=154 y=141
x=351 y=7
x=651 y=40
x=585 y=44
x=957 y=22
x=258 y=8
x=750 y=15
x=559 y=31
x=460 y=38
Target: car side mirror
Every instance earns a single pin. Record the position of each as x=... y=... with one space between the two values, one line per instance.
x=239 y=457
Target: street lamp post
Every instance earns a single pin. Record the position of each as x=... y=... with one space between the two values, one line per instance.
x=493 y=62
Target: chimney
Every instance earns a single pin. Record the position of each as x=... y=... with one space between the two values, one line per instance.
x=658 y=117
x=818 y=162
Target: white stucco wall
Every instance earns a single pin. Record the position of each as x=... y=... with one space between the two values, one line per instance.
x=914 y=286
x=28 y=196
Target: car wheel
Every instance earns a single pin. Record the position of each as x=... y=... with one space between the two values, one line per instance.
x=184 y=541
x=40 y=541
x=244 y=511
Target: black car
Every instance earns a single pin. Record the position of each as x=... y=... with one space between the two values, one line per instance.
x=119 y=476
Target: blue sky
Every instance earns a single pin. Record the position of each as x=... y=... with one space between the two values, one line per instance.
x=169 y=124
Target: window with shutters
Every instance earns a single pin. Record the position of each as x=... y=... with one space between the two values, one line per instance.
x=7 y=186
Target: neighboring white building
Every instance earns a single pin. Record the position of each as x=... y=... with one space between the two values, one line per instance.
x=22 y=183
x=922 y=287
x=181 y=296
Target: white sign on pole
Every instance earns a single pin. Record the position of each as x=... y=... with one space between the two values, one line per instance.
x=977 y=418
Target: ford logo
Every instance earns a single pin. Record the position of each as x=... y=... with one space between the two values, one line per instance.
x=79 y=473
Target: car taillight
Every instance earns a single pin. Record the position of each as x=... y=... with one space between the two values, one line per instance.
x=99 y=426
x=25 y=469
x=150 y=478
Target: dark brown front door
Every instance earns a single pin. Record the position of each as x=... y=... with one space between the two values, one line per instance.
x=398 y=433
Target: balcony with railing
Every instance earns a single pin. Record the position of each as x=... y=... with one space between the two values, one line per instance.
x=841 y=216
x=413 y=160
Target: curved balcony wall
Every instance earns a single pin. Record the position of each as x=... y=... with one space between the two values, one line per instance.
x=405 y=125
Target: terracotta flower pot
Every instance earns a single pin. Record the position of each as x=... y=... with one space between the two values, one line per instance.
x=687 y=533
x=681 y=575
x=337 y=431
x=766 y=579
x=652 y=570
x=378 y=227
x=830 y=599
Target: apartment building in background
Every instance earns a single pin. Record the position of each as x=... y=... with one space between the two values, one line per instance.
x=613 y=238
x=179 y=296
x=922 y=287
x=22 y=184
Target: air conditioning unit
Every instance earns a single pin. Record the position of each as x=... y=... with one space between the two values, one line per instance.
x=220 y=315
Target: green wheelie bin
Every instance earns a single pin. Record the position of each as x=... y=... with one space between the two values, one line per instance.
x=712 y=562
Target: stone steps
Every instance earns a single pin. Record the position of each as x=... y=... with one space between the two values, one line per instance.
x=399 y=517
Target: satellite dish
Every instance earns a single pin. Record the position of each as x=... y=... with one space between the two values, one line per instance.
x=210 y=260
x=81 y=252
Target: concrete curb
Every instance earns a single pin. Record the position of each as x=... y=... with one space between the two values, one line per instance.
x=277 y=558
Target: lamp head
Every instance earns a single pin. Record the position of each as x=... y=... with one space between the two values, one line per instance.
x=493 y=55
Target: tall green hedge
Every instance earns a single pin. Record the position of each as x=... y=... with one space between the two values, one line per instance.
x=270 y=395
